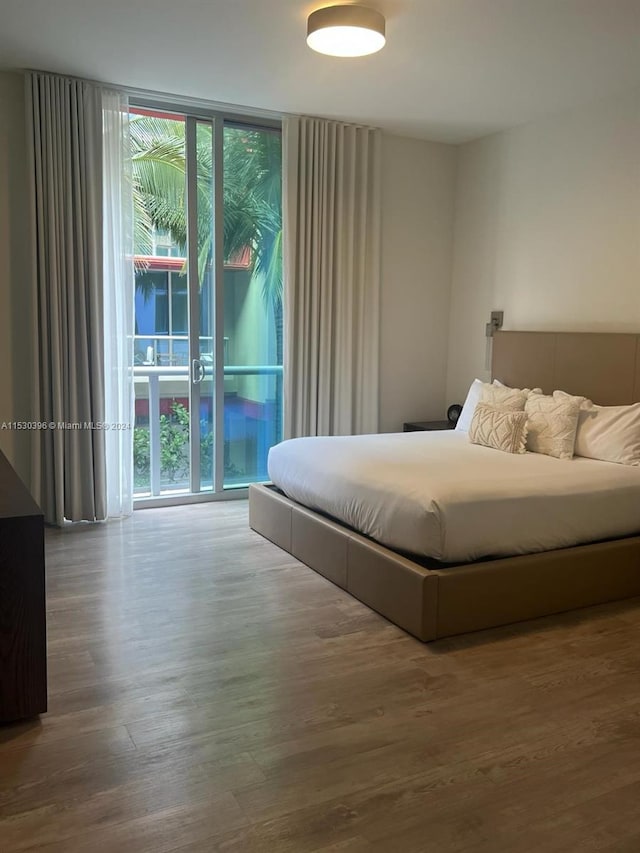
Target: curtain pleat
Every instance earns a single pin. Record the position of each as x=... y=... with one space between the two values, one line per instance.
x=332 y=277
x=64 y=118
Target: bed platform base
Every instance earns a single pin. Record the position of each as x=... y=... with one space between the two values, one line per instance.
x=441 y=602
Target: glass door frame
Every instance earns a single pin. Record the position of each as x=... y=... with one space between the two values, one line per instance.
x=197 y=371
x=217 y=119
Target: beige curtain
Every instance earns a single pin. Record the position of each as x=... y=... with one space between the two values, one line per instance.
x=64 y=141
x=332 y=277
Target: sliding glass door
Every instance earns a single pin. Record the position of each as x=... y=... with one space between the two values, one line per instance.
x=252 y=276
x=208 y=348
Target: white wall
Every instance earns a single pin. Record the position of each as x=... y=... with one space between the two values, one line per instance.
x=15 y=355
x=547 y=228
x=417 y=201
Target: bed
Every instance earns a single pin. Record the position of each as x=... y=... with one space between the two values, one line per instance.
x=486 y=538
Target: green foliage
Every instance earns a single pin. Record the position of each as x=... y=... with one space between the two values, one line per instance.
x=252 y=189
x=174 y=444
x=174 y=441
x=141 y=455
x=174 y=449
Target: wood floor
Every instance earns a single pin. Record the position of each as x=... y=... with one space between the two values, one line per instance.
x=209 y=693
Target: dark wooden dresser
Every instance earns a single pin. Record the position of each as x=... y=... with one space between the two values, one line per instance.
x=23 y=648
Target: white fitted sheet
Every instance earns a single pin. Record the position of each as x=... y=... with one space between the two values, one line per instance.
x=437 y=495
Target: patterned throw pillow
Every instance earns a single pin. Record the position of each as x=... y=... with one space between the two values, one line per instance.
x=552 y=425
x=507 y=399
x=492 y=427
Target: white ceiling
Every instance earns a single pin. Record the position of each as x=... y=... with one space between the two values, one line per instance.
x=452 y=70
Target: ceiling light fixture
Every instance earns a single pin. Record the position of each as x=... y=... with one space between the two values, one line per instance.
x=346 y=30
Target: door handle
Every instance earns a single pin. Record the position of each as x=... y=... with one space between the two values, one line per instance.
x=197 y=371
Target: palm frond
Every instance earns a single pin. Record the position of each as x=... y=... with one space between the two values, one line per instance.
x=252 y=193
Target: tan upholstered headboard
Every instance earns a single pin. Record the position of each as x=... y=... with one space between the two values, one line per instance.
x=603 y=366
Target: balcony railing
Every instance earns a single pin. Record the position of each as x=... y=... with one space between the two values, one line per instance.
x=171 y=350
x=153 y=376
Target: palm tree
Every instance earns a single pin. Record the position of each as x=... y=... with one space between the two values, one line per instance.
x=252 y=194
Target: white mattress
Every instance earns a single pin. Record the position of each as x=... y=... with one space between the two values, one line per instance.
x=437 y=495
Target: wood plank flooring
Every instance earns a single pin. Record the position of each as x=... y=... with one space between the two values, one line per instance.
x=210 y=693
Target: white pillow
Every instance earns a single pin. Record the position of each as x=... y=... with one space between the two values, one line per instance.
x=552 y=425
x=492 y=427
x=469 y=407
x=608 y=433
x=472 y=400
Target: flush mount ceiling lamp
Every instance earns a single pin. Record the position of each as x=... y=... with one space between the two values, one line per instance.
x=346 y=30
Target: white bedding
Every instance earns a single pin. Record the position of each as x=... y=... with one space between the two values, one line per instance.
x=435 y=494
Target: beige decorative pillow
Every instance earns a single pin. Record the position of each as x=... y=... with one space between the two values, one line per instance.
x=552 y=425
x=507 y=399
x=580 y=401
x=492 y=427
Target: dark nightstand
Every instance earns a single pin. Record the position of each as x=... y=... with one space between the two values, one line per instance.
x=426 y=426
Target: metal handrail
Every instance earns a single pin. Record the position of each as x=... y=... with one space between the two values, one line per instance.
x=228 y=369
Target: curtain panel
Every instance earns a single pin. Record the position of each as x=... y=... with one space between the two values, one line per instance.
x=65 y=147
x=332 y=227
x=118 y=302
